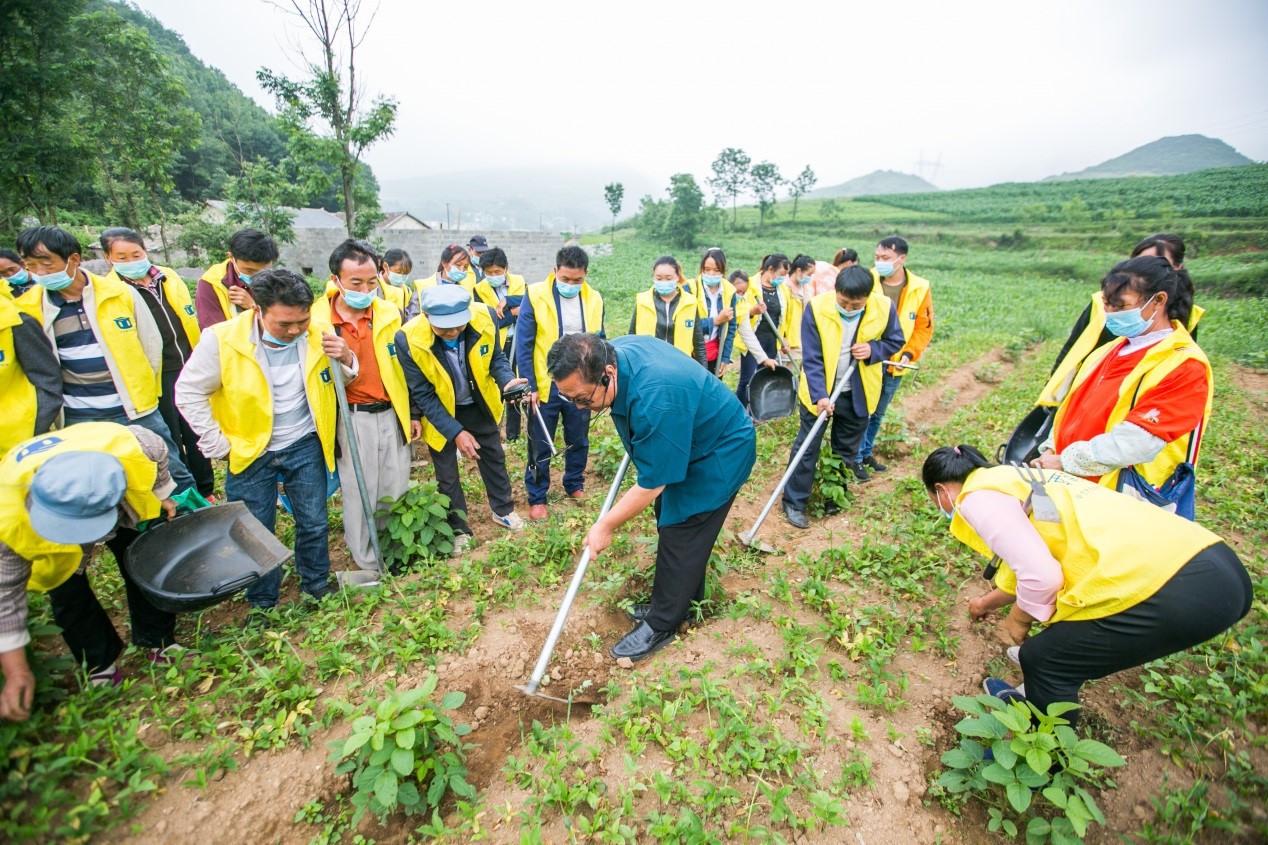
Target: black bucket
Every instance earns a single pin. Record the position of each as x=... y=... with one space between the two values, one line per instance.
x=1023 y=446
x=772 y=394
x=202 y=558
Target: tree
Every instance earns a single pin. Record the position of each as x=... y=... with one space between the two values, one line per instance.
x=830 y=210
x=730 y=176
x=325 y=115
x=801 y=186
x=258 y=198
x=764 y=180
x=686 y=210
x=652 y=214
x=613 y=194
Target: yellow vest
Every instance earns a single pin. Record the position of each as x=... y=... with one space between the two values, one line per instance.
x=872 y=325
x=398 y=295
x=385 y=318
x=542 y=296
x=514 y=287
x=177 y=295
x=728 y=293
x=685 y=318
x=908 y=305
x=479 y=358
x=468 y=283
x=796 y=310
x=786 y=309
x=1114 y=551
x=1060 y=383
x=1159 y=362
x=17 y=394
x=243 y=406
x=743 y=311
x=52 y=563
x=215 y=278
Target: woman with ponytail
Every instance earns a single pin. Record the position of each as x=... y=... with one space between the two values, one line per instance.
x=1116 y=582
x=1143 y=401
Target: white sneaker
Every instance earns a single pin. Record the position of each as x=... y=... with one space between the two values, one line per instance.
x=461 y=543
x=512 y=521
x=1014 y=655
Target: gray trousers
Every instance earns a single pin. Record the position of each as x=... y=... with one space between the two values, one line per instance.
x=385 y=459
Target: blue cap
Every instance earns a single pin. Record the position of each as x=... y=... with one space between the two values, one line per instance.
x=75 y=497
x=447 y=306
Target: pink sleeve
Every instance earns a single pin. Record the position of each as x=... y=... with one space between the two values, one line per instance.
x=1001 y=522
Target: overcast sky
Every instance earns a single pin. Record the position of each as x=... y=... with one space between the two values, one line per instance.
x=997 y=91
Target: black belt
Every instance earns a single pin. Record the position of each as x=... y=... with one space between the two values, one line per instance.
x=372 y=407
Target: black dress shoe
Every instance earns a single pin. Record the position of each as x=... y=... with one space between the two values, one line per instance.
x=860 y=472
x=638 y=612
x=796 y=518
x=642 y=642
x=871 y=461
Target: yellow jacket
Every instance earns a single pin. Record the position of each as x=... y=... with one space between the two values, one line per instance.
x=546 y=317
x=786 y=307
x=1114 y=551
x=1159 y=362
x=214 y=277
x=916 y=329
x=487 y=296
x=743 y=311
x=17 y=394
x=685 y=317
x=872 y=324
x=728 y=294
x=52 y=563
x=177 y=296
x=515 y=286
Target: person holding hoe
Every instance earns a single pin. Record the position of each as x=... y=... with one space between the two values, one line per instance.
x=690 y=482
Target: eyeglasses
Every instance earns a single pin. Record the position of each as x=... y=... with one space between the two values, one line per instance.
x=583 y=403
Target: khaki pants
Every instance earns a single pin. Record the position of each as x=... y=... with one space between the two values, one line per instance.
x=385 y=459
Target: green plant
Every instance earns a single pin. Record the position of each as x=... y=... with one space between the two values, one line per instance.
x=404 y=754
x=1036 y=760
x=417 y=526
x=832 y=479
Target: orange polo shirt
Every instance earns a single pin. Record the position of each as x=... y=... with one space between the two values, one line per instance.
x=367 y=387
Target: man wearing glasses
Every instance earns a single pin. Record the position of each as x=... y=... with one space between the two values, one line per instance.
x=691 y=482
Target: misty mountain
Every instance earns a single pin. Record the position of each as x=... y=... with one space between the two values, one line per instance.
x=549 y=198
x=876 y=182
x=1164 y=157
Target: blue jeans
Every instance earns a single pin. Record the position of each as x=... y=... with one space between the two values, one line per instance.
x=154 y=422
x=302 y=468
x=576 y=443
x=748 y=367
x=889 y=386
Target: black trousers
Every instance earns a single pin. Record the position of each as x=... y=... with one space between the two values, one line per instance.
x=184 y=436
x=682 y=555
x=847 y=433
x=492 y=465
x=1204 y=598
x=513 y=423
x=86 y=627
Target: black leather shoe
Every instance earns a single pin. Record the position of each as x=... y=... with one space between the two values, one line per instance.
x=638 y=612
x=642 y=642
x=860 y=472
x=876 y=465
x=796 y=518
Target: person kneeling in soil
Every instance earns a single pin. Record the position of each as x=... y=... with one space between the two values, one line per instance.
x=456 y=374
x=854 y=323
x=60 y=494
x=1116 y=581
x=655 y=397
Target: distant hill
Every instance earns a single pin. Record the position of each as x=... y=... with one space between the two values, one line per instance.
x=1165 y=157
x=877 y=182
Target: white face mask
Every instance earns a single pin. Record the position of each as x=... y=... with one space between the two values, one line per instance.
x=949 y=514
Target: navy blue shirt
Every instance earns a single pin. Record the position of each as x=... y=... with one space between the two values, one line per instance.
x=661 y=395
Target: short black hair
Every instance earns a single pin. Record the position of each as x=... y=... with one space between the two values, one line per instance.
x=738 y=274
x=355 y=251
x=854 y=281
x=776 y=261
x=253 y=245
x=844 y=255
x=895 y=243
x=494 y=256
x=396 y=257
x=56 y=240
x=280 y=287
x=1172 y=246
x=583 y=353
x=121 y=233
x=11 y=255
x=572 y=257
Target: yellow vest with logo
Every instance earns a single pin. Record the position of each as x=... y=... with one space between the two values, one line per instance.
x=542 y=296
x=215 y=278
x=52 y=563
x=872 y=325
x=17 y=394
x=1060 y=383
x=479 y=358
x=914 y=292
x=1114 y=551
x=243 y=406
x=1158 y=363
x=685 y=318
x=743 y=312
x=177 y=295
x=398 y=295
x=514 y=287
x=468 y=283
x=786 y=310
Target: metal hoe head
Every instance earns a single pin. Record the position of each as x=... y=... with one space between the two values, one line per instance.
x=754 y=542
x=531 y=689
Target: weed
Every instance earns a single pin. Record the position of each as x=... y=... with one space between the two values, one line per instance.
x=418 y=527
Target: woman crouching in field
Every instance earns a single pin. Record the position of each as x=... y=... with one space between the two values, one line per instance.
x=1117 y=582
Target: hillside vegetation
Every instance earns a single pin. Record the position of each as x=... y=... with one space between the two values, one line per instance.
x=1166 y=156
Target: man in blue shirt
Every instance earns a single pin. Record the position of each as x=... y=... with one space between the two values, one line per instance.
x=693 y=445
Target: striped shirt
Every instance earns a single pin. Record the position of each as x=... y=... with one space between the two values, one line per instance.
x=88 y=389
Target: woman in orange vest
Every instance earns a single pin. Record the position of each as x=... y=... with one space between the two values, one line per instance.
x=1144 y=400
x=1116 y=582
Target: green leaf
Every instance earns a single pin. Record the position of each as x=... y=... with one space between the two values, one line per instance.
x=453 y=700
x=1019 y=796
x=429 y=685
x=354 y=742
x=1098 y=753
x=436 y=791
x=405 y=738
x=1010 y=828
x=959 y=759
x=996 y=773
x=1039 y=761
x=1037 y=831
x=408 y=719
x=403 y=761
x=981 y=728
x=968 y=704
x=1016 y=719
x=1004 y=754
x=407 y=795
x=953 y=781
x=1060 y=708
x=1029 y=777
x=385 y=789
x=1056 y=796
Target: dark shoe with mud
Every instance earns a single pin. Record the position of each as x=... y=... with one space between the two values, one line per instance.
x=796 y=518
x=638 y=612
x=860 y=472
x=642 y=642
x=871 y=463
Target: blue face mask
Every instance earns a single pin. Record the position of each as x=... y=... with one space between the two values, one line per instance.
x=849 y=316
x=884 y=269
x=949 y=514
x=19 y=278
x=244 y=278
x=456 y=274
x=664 y=288
x=133 y=269
x=496 y=281
x=54 y=281
x=778 y=280
x=398 y=278
x=566 y=290
x=284 y=344
x=452 y=344
x=711 y=281
x=356 y=299
x=475 y=259
x=1128 y=323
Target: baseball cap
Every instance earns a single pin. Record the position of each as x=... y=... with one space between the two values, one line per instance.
x=447 y=306
x=74 y=497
